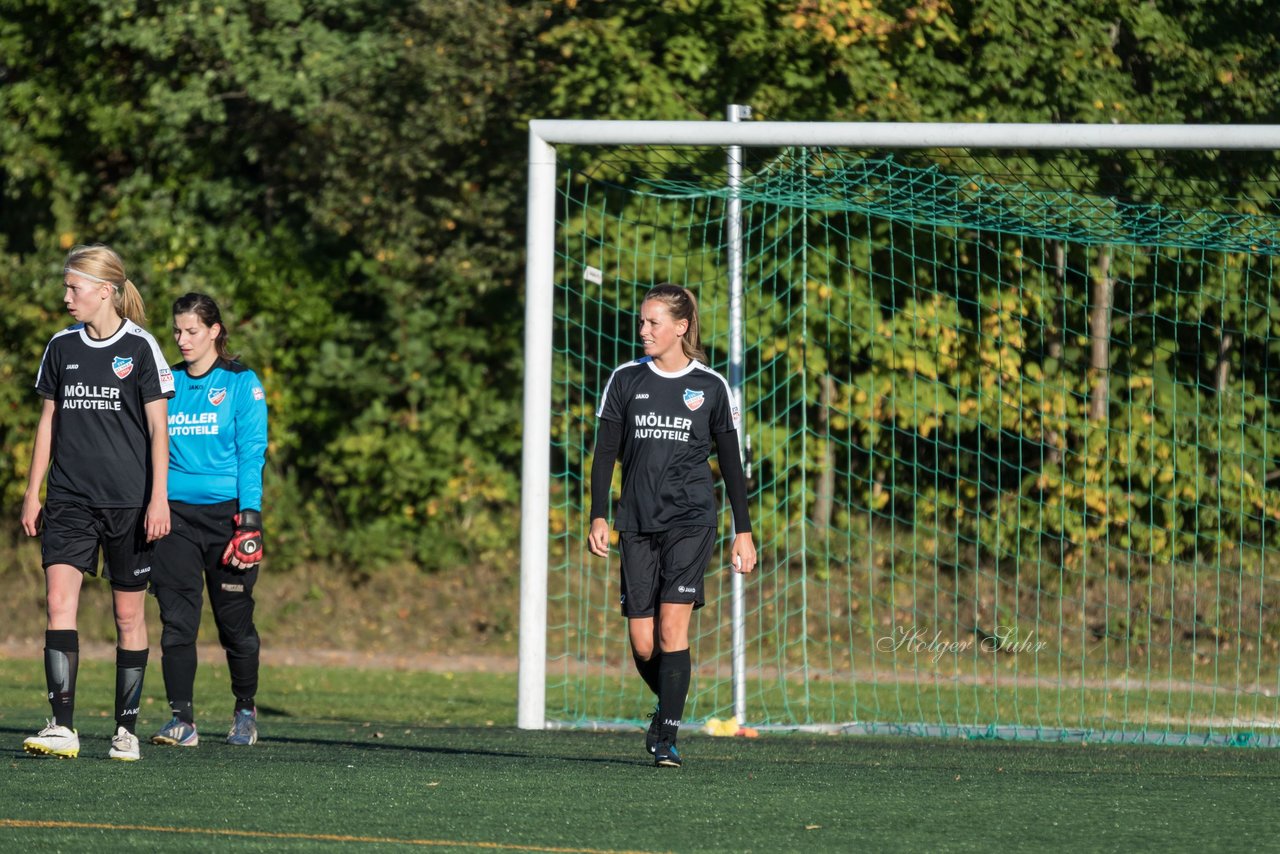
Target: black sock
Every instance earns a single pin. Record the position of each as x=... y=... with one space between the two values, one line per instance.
x=178 y=663
x=183 y=710
x=131 y=666
x=61 y=662
x=648 y=670
x=673 y=678
x=245 y=704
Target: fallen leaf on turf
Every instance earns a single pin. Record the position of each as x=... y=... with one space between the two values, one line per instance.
x=378 y=735
x=812 y=826
x=433 y=783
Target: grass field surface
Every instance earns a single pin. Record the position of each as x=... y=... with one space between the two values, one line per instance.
x=383 y=760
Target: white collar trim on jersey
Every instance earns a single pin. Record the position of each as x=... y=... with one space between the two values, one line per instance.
x=103 y=342
x=693 y=363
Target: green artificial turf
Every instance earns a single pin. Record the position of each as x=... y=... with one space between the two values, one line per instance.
x=392 y=761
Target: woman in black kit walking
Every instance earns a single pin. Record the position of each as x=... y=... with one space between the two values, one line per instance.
x=662 y=413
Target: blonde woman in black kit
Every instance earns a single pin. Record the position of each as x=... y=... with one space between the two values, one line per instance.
x=103 y=441
x=661 y=414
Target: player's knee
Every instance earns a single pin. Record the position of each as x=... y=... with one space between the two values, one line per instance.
x=178 y=634
x=674 y=640
x=61 y=608
x=130 y=620
x=242 y=645
x=643 y=649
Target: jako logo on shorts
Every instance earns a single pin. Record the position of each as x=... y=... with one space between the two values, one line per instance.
x=122 y=366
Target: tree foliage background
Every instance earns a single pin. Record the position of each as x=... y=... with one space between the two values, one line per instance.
x=347 y=178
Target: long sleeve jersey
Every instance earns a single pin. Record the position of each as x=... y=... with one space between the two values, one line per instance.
x=664 y=425
x=217 y=436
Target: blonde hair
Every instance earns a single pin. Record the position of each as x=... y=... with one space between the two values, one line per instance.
x=681 y=306
x=105 y=265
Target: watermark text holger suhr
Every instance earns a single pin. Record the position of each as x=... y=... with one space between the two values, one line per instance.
x=1005 y=639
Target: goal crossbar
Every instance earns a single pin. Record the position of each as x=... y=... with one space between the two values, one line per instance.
x=904 y=134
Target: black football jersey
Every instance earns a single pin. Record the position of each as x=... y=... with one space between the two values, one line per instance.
x=668 y=421
x=101 y=445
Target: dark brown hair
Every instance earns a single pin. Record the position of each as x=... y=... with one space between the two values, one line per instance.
x=203 y=307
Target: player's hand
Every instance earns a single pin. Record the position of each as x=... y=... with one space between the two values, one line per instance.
x=244 y=552
x=156 y=521
x=598 y=539
x=31 y=514
x=743 y=554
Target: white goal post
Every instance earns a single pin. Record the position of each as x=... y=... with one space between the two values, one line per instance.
x=545 y=135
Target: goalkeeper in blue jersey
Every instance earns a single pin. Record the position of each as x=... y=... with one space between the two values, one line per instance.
x=662 y=414
x=218 y=443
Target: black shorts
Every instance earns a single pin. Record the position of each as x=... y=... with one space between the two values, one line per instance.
x=73 y=533
x=664 y=566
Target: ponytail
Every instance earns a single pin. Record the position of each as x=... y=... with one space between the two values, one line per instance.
x=128 y=303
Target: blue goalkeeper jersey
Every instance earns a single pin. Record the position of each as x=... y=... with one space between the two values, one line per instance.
x=217 y=436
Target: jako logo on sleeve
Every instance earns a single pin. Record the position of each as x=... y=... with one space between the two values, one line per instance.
x=217 y=395
x=693 y=399
x=122 y=366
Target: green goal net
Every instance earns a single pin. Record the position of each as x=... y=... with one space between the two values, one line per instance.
x=1014 y=437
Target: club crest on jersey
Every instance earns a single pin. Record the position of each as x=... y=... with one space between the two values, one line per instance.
x=122 y=366
x=217 y=395
x=693 y=399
